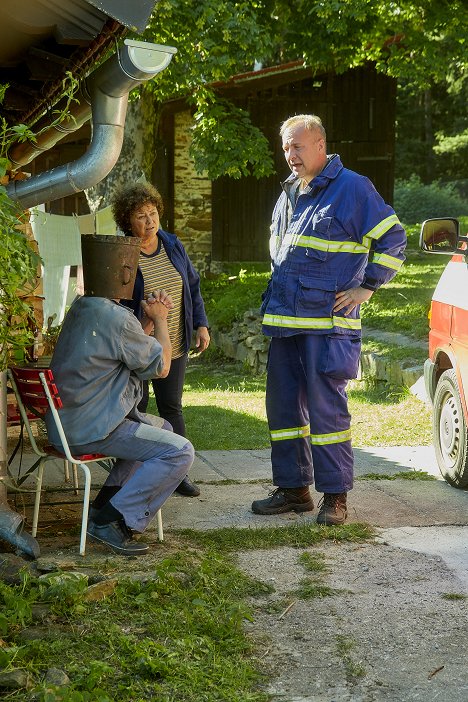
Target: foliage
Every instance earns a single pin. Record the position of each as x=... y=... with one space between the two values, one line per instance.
x=227 y=297
x=455 y=150
x=177 y=634
x=217 y=39
x=431 y=128
x=414 y=201
x=349 y=33
x=225 y=142
x=18 y=262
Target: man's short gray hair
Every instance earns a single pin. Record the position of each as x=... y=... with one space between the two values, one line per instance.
x=310 y=122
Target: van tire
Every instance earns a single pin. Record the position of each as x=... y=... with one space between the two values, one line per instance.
x=450 y=431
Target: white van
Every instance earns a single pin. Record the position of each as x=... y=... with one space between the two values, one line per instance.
x=446 y=369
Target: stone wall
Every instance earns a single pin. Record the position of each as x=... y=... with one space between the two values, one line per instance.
x=192 y=198
x=246 y=343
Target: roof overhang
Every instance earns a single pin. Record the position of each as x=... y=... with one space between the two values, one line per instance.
x=40 y=40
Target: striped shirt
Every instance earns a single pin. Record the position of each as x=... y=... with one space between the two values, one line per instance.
x=160 y=274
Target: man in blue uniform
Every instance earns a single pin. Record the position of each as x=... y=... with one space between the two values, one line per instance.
x=334 y=241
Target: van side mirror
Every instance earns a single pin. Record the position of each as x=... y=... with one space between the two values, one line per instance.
x=440 y=236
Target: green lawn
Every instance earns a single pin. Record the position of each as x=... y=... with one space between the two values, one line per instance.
x=224 y=408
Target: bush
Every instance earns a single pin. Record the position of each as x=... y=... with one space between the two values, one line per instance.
x=228 y=297
x=414 y=202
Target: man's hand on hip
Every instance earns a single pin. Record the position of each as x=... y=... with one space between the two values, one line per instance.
x=347 y=300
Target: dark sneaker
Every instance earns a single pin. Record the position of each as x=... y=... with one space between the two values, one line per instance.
x=187 y=488
x=117 y=537
x=284 y=500
x=332 y=509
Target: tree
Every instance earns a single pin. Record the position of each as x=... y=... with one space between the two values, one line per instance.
x=420 y=42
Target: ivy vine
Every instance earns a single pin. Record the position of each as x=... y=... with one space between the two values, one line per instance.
x=19 y=264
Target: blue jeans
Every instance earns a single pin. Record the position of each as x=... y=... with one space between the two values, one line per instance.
x=151 y=463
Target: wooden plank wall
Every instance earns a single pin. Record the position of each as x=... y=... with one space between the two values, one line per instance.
x=358 y=111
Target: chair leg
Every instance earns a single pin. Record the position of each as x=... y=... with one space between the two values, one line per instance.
x=75 y=478
x=66 y=471
x=160 y=525
x=37 y=500
x=84 y=520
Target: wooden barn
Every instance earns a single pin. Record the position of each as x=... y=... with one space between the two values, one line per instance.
x=228 y=219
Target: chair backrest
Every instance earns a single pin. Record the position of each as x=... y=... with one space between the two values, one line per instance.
x=30 y=386
x=35 y=393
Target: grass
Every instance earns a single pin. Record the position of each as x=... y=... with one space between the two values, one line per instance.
x=176 y=635
x=454 y=596
x=296 y=535
x=345 y=646
x=407 y=356
x=403 y=305
x=230 y=400
x=401 y=475
x=310 y=589
x=313 y=562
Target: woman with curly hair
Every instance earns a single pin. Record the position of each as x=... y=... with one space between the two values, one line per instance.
x=164 y=264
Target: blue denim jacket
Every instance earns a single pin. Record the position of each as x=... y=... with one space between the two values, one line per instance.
x=101 y=357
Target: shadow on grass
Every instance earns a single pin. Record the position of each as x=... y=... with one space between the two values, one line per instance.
x=213 y=428
x=378 y=394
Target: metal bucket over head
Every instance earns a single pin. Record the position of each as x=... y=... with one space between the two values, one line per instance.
x=110 y=265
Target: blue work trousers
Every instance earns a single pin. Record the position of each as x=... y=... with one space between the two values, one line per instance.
x=152 y=461
x=307 y=410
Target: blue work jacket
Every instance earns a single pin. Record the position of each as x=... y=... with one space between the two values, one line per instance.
x=338 y=234
x=194 y=308
x=101 y=356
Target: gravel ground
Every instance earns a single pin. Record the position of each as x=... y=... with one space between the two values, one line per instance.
x=388 y=634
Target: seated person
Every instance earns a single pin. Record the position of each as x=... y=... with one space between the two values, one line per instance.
x=101 y=357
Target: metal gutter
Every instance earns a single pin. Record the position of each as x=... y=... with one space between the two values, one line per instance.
x=104 y=96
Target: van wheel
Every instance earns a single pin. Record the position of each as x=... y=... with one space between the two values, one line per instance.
x=450 y=431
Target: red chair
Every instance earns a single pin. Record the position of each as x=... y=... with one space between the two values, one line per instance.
x=36 y=392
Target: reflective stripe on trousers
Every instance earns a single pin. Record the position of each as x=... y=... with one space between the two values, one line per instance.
x=308 y=417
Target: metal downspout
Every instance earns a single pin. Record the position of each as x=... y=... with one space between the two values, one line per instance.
x=105 y=96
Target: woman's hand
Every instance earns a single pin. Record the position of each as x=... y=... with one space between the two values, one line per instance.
x=160 y=296
x=202 y=338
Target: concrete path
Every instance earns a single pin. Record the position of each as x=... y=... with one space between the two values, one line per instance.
x=424 y=516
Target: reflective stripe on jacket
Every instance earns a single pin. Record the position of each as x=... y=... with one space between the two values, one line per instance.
x=339 y=234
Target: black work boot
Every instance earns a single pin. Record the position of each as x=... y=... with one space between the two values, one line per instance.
x=285 y=500
x=332 y=509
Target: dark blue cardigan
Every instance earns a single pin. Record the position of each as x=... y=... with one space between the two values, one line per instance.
x=194 y=308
